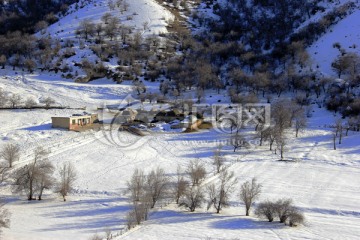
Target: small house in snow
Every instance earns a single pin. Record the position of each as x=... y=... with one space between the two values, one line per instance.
x=75 y=122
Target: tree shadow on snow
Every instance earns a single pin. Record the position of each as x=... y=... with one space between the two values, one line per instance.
x=243 y=223
x=173 y=217
x=91 y=215
x=89 y=225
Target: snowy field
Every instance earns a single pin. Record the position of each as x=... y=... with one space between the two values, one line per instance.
x=323 y=182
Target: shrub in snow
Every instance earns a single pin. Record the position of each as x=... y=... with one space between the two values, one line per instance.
x=295 y=218
x=282 y=209
x=193 y=198
x=266 y=210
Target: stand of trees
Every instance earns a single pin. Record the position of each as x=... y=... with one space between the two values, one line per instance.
x=147 y=190
x=282 y=209
x=13 y=101
x=36 y=176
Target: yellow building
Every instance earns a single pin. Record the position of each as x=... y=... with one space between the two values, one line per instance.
x=75 y=122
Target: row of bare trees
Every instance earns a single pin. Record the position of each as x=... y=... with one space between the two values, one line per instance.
x=145 y=191
x=283 y=209
x=15 y=100
x=36 y=176
x=188 y=190
x=341 y=129
x=285 y=114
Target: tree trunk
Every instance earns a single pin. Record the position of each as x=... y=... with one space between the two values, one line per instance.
x=340 y=137
x=218 y=207
x=30 y=196
x=40 y=194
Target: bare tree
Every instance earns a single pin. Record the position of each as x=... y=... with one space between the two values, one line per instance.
x=10 y=153
x=193 y=198
x=30 y=103
x=139 y=212
x=15 y=100
x=237 y=140
x=180 y=185
x=136 y=185
x=4 y=217
x=112 y=27
x=96 y=237
x=266 y=210
x=341 y=64
x=3 y=61
x=140 y=200
x=196 y=172
x=86 y=28
x=45 y=180
x=270 y=135
x=145 y=25
x=139 y=87
x=339 y=131
x=219 y=160
x=284 y=112
x=295 y=218
x=48 y=101
x=283 y=207
x=30 y=65
x=27 y=177
x=260 y=133
x=3 y=98
x=67 y=178
x=300 y=121
x=106 y=17
x=157 y=183
x=249 y=192
x=281 y=142
x=219 y=193
x=4 y=171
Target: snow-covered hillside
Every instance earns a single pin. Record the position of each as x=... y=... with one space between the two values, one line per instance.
x=135 y=14
x=346 y=33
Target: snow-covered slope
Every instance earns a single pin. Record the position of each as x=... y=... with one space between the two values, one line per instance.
x=346 y=33
x=137 y=13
